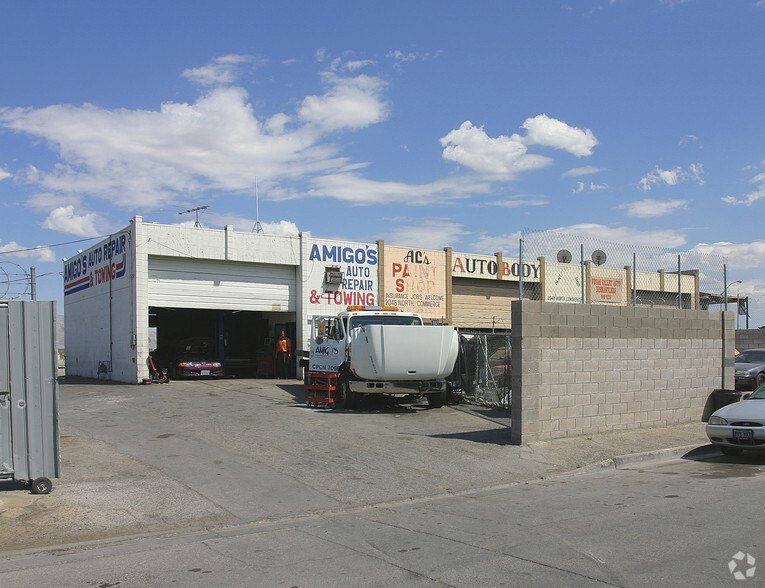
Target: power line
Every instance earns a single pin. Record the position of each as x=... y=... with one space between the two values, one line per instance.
x=53 y=245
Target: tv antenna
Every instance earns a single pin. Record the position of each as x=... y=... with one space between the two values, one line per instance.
x=257 y=228
x=196 y=214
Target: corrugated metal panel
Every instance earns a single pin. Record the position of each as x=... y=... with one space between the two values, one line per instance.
x=33 y=401
x=482 y=304
x=6 y=451
x=194 y=283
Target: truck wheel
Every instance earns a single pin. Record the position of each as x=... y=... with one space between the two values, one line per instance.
x=437 y=399
x=349 y=399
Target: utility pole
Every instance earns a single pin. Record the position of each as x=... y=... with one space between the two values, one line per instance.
x=33 y=282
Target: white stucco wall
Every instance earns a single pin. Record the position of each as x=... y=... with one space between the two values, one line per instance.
x=99 y=315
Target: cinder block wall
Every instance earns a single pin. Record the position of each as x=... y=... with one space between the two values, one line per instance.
x=750 y=339
x=584 y=369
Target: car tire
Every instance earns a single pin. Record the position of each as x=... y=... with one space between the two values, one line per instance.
x=730 y=450
x=760 y=380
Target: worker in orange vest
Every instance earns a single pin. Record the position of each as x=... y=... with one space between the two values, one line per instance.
x=283 y=354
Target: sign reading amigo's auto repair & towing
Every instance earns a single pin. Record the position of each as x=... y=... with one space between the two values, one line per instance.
x=415 y=281
x=337 y=274
x=99 y=265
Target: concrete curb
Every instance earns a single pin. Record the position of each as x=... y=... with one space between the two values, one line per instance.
x=692 y=451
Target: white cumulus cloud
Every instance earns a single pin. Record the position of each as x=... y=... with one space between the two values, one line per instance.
x=500 y=156
x=672 y=177
x=738 y=255
x=42 y=254
x=429 y=234
x=651 y=208
x=751 y=197
x=506 y=157
x=222 y=70
x=582 y=171
x=348 y=103
x=64 y=220
x=550 y=132
x=150 y=159
x=626 y=235
x=507 y=243
x=355 y=189
x=591 y=187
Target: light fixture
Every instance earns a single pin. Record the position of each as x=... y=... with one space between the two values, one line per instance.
x=333 y=276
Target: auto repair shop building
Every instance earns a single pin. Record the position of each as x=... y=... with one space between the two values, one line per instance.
x=240 y=290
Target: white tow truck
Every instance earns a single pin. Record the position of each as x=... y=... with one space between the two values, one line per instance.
x=378 y=350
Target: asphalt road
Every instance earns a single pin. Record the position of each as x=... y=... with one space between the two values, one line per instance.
x=237 y=483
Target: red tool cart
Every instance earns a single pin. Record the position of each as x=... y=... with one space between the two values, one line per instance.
x=319 y=388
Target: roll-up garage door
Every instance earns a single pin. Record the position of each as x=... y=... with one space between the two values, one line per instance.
x=224 y=285
x=482 y=304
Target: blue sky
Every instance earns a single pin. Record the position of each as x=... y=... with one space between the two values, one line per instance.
x=429 y=124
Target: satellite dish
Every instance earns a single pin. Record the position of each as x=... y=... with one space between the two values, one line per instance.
x=564 y=256
x=598 y=257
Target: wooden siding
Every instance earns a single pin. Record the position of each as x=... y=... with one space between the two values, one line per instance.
x=482 y=304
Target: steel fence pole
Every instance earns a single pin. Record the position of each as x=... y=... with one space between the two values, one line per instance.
x=679 y=285
x=520 y=269
x=581 y=268
x=634 y=279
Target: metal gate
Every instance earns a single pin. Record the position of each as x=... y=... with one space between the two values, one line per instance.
x=484 y=368
x=29 y=431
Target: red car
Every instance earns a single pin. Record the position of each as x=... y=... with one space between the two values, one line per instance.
x=195 y=358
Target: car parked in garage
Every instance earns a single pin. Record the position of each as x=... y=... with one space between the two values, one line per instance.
x=196 y=358
x=740 y=425
x=750 y=369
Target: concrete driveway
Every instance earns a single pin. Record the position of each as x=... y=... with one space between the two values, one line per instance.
x=146 y=459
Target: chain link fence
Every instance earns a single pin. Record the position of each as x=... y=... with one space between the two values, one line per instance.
x=484 y=368
x=586 y=270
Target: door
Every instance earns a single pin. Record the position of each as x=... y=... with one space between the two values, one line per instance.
x=6 y=453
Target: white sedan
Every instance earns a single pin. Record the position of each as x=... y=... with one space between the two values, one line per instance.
x=740 y=425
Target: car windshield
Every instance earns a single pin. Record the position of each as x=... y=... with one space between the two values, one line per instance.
x=758 y=394
x=196 y=349
x=384 y=319
x=751 y=356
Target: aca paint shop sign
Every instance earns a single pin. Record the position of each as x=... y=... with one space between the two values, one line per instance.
x=415 y=281
x=466 y=265
x=101 y=264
